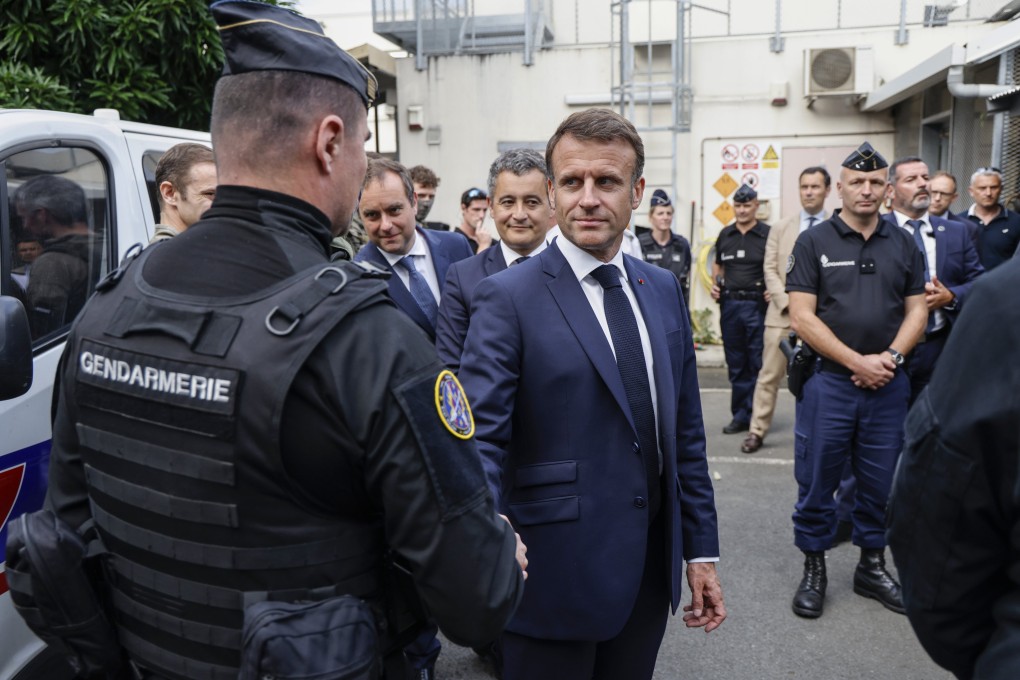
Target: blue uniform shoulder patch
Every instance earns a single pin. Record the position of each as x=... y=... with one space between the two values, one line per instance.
x=452 y=405
x=790 y=261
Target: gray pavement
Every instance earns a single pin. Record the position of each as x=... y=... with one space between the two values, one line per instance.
x=762 y=639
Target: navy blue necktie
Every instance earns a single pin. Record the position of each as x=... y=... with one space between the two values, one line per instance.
x=520 y=259
x=630 y=359
x=420 y=290
x=918 y=225
x=811 y=221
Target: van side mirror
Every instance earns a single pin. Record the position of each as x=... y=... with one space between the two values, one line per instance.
x=15 y=349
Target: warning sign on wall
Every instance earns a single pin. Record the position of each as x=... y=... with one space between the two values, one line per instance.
x=725 y=185
x=724 y=213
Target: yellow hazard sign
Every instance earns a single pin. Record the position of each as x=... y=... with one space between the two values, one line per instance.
x=725 y=185
x=724 y=213
x=770 y=154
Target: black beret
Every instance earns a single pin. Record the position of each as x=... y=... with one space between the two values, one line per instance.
x=865 y=159
x=659 y=197
x=745 y=194
x=261 y=37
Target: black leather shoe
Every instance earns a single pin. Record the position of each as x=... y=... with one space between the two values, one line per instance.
x=736 y=426
x=872 y=580
x=844 y=530
x=810 y=597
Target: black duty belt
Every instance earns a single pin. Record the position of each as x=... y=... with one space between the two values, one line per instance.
x=829 y=366
x=743 y=294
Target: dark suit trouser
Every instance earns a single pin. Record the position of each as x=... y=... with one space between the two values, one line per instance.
x=630 y=655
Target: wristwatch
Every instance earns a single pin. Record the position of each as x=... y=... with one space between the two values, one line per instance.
x=896 y=356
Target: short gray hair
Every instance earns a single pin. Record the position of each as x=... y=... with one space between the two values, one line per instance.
x=518 y=161
x=990 y=172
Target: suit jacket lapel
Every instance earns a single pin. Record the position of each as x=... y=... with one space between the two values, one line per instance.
x=494 y=261
x=665 y=393
x=574 y=306
x=440 y=258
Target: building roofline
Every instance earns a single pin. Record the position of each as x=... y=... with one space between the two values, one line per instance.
x=935 y=68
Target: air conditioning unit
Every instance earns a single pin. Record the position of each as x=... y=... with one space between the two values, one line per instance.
x=838 y=71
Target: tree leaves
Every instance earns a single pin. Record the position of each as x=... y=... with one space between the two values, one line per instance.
x=156 y=61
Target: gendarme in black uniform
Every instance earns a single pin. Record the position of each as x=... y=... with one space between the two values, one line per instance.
x=245 y=421
x=674 y=256
x=743 y=256
x=860 y=290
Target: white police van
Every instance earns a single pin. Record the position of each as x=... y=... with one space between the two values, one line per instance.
x=113 y=163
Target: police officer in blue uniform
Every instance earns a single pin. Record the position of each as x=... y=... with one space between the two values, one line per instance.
x=739 y=274
x=247 y=423
x=856 y=286
x=665 y=248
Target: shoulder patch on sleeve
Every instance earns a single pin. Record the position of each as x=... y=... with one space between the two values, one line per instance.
x=438 y=412
x=790 y=261
x=453 y=407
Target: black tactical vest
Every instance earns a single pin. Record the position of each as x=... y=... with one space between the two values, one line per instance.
x=179 y=408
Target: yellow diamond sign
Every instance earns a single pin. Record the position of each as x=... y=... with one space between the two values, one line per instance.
x=725 y=185
x=724 y=213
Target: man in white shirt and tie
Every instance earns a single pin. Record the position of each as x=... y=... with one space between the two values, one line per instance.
x=950 y=256
x=417 y=257
x=815 y=185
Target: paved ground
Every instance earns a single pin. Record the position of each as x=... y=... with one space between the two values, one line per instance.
x=762 y=639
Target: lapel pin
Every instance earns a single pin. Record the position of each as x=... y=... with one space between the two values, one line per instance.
x=641 y=282
x=942 y=227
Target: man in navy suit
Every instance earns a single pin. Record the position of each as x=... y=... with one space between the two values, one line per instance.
x=950 y=255
x=580 y=368
x=520 y=208
x=418 y=258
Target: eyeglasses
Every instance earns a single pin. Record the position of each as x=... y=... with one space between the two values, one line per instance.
x=988 y=170
x=474 y=194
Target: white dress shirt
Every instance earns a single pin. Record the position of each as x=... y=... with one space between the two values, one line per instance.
x=805 y=219
x=509 y=256
x=422 y=262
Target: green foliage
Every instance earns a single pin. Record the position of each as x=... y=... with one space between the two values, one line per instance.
x=701 y=320
x=156 y=61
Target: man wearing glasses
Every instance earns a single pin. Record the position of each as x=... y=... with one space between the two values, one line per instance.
x=999 y=233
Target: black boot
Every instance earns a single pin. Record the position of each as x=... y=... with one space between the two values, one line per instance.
x=810 y=597
x=872 y=580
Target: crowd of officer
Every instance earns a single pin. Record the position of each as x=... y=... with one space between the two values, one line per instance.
x=346 y=466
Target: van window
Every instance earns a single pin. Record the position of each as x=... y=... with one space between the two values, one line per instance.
x=57 y=234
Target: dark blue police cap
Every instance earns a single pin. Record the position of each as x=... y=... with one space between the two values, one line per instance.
x=659 y=197
x=745 y=194
x=865 y=159
x=261 y=37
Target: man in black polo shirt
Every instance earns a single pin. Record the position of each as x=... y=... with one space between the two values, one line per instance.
x=739 y=287
x=856 y=286
x=662 y=247
x=999 y=233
